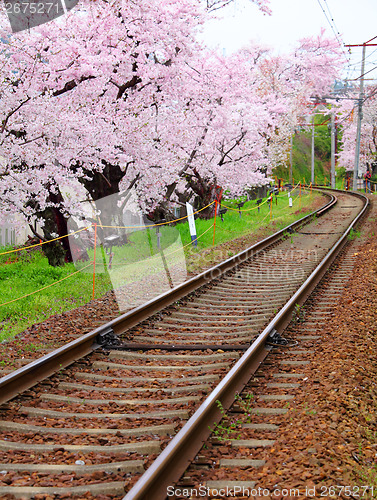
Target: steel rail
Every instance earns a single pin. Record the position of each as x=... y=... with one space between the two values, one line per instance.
x=29 y=375
x=173 y=461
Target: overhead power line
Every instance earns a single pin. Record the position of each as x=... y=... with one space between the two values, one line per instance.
x=361 y=76
x=367 y=57
x=335 y=30
x=373 y=93
x=332 y=20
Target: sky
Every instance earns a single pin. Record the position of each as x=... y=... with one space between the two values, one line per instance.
x=354 y=20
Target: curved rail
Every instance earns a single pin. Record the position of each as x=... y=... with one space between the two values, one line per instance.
x=26 y=377
x=173 y=461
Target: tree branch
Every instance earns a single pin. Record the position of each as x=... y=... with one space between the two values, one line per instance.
x=71 y=85
x=31 y=140
x=5 y=121
x=226 y=153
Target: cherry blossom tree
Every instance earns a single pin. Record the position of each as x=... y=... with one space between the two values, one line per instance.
x=308 y=72
x=130 y=78
x=368 y=139
x=129 y=99
x=213 y=5
x=79 y=95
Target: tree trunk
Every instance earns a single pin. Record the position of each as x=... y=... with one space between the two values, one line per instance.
x=103 y=186
x=55 y=253
x=58 y=252
x=206 y=191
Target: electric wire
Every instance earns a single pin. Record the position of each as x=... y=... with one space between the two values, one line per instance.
x=334 y=29
x=358 y=63
x=369 y=71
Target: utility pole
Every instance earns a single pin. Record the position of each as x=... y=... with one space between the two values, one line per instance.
x=312 y=177
x=359 y=118
x=332 y=175
x=291 y=162
x=360 y=109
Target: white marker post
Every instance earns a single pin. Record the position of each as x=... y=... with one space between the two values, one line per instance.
x=191 y=221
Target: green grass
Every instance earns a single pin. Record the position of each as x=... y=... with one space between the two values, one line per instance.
x=301 y=154
x=137 y=259
x=366 y=472
x=31 y=272
x=25 y=272
x=301 y=158
x=250 y=220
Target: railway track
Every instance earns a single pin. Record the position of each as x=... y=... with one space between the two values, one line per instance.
x=156 y=372
x=262 y=453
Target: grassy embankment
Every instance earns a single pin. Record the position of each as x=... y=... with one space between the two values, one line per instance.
x=25 y=272
x=301 y=156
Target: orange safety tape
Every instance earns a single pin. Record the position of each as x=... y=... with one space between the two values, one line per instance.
x=174 y=251
x=160 y=223
x=47 y=286
x=206 y=231
x=129 y=227
x=295 y=186
x=287 y=207
x=246 y=209
x=100 y=225
x=44 y=242
x=254 y=208
x=264 y=218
